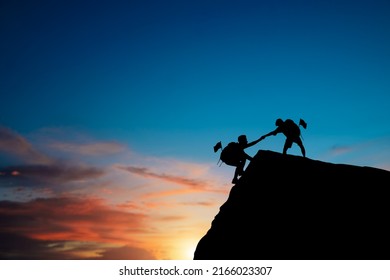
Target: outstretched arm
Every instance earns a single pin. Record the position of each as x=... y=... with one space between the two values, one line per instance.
x=253 y=143
x=274 y=132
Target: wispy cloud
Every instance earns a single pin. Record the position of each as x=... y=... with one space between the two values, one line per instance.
x=55 y=173
x=75 y=198
x=125 y=253
x=37 y=168
x=340 y=150
x=145 y=172
x=371 y=152
x=190 y=184
x=89 y=149
x=15 y=145
x=18 y=247
x=68 y=219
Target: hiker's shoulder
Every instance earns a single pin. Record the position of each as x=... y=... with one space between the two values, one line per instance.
x=289 y=121
x=232 y=145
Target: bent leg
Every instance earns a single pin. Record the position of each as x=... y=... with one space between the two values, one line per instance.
x=236 y=174
x=239 y=171
x=240 y=167
x=287 y=145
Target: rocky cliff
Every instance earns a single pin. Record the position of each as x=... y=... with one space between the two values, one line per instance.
x=290 y=207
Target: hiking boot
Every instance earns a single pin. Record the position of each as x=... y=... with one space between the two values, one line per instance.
x=234 y=181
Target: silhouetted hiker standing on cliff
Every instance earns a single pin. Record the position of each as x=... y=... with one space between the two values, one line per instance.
x=292 y=132
x=233 y=154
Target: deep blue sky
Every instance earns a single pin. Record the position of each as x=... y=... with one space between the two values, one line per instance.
x=173 y=77
x=109 y=111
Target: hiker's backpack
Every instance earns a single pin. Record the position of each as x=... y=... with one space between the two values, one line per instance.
x=294 y=129
x=229 y=154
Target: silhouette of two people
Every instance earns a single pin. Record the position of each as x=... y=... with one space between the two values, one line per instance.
x=234 y=154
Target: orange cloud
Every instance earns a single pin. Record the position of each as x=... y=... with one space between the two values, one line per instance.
x=70 y=219
x=39 y=225
x=125 y=253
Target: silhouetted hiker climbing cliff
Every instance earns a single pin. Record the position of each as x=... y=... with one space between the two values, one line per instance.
x=233 y=154
x=290 y=207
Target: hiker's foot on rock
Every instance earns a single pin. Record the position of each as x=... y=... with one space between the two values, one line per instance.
x=234 y=181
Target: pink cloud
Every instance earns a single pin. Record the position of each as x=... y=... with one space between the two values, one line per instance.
x=145 y=172
x=17 y=146
x=89 y=149
x=55 y=173
x=194 y=185
x=340 y=150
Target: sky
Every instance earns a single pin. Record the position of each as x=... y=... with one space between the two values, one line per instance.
x=109 y=111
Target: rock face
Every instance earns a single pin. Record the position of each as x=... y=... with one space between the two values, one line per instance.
x=287 y=207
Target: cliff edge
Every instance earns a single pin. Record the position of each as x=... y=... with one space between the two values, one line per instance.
x=290 y=207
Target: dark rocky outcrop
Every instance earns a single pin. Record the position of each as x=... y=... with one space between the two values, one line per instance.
x=289 y=207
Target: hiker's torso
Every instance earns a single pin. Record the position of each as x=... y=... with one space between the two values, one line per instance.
x=290 y=129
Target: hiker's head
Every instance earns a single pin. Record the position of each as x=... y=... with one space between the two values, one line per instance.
x=279 y=122
x=242 y=139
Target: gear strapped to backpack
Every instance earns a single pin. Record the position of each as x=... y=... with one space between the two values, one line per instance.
x=293 y=129
x=230 y=154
